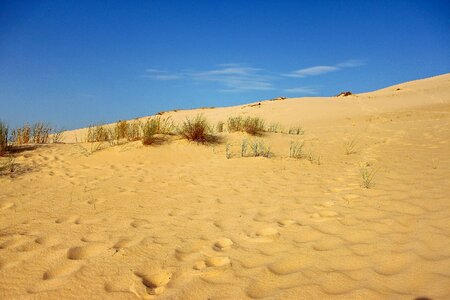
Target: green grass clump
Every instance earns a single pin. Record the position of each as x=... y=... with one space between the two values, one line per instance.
x=149 y=130
x=4 y=136
x=251 y=125
x=197 y=130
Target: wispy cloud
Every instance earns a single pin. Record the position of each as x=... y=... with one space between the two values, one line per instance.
x=319 y=70
x=308 y=90
x=236 y=77
x=230 y=77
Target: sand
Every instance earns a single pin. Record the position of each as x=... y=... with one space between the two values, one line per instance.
x=181 y=221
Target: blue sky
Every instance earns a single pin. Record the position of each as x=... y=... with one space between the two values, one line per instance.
x=72 y=63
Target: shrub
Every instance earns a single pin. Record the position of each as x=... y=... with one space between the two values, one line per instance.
x=296 y=149
x=298 y=130
x=4 y=135
x=350 y=146
x=9 y=165
x=367 y=175
x=98 y=134
x=274 y=127
x=260 y=149
x=22 y=135
x=149 y=129
x=251 y=125
x=219 y=126
x=244 y=147
x=228 y=150
x=134 y=131
x=196 y=129
x=121 y=130
x=41 y=133
x=57 y=136
x=162 y=125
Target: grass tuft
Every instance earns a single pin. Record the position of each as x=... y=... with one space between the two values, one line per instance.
x=350 y=146
x=251 y=125
x=296 y=149
x=197 y=130
x=260 y=149
x=367 y=175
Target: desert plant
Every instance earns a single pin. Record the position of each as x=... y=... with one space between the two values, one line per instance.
x=41 y=133
x=98 y=133
x=297 y=130
x=22 y=135
x=244 y=145
x=121 y=130
x=350 y=145
x=367 y=175
x=260 y=149
x=219 y=126
x=196 y=129
x=134 y=131
x=4 y=136
x=274 y=127
x=251 y=125
x=162 y=125
x=296 y=149
x=57 y=136
x=228 y=150
x=149 y=129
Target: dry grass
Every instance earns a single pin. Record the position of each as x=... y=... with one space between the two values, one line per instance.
x=22 y=135
x=251 y=125
x=197 y=129
x=296 y=130
x=41 y=133
x=350 y=145
x=296 y=149
x=260 y=149
x=4 y=136
x=98 y=133
x=367 y=175
x=8 y=165
x=220 y=126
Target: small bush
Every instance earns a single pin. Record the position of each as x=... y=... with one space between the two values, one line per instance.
x=9 y=165
x=260 y=149
x=244 y=146
x=228 y=150
x=134 y=131
x=274 y=127
x=41 y=133
x=219 y=126
x=251 y=125
x=22 y=135
x=4 y=136
x=149 y=129
x=350 y=146
x=98 y=134
x=367 y=175
x=121 y=130
x=57 y=136
x=162 y=125
x=296 y=150
x=196 y=129
x=298 y=130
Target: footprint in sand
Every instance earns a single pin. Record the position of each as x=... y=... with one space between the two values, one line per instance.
x=155 y=282
x=267 y=232
x=126 y=243
x=223 y=244
x=285 y=222
x=218 y=261
x=68 y=219
x=141 y=223
x=90 y=250
x=60 y=271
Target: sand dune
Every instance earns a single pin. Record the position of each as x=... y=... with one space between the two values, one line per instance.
x=181 y=221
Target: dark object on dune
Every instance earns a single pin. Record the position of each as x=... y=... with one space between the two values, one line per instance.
x=344 y=94
x=278 y=98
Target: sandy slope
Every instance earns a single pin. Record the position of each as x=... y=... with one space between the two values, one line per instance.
x=183 y=222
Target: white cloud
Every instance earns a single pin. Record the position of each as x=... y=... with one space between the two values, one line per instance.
x=160 y=75
x=302 y=90
x=319 y=70
x=312 y=71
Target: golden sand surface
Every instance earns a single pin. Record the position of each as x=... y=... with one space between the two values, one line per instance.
x=181 y=221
